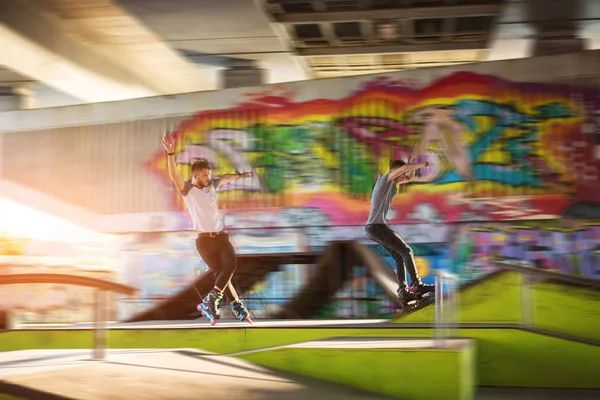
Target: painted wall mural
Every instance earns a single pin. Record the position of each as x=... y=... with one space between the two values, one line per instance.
x=498 y=150
x=514 y=171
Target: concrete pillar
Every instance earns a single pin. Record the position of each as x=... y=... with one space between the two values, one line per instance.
x=556 y=26
x=25 y=97
x=39 y=46
x=241 y=73
x=16 y=98
x=8 y=100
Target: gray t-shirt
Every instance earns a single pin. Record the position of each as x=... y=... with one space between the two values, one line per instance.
x=381 y=199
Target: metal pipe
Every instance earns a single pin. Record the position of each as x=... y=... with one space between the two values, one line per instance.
x=527 y=303
x=100 y=340
x=446 y=315
x=456 y=297
x=439 y=310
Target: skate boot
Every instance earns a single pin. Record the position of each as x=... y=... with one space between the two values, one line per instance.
x=240 y=312
x=405 y=296
x=210 y=306
x=420 y=289
x=199 y=308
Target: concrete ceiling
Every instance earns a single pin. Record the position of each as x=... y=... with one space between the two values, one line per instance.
x=220 y=33
x=92 y=50
x=351 y=37
x=10 y=78
x=300 y=39
x=522 y=23
x=102 y=50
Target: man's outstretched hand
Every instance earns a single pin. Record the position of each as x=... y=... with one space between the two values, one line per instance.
x=413 y=160
x=246 y=174
x=168 y=142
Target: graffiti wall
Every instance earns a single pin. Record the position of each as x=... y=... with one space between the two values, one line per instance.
x=498 y=150
x=513 y=171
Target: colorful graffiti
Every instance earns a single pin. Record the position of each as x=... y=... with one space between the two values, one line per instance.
x=549 y=245
x=497 y=149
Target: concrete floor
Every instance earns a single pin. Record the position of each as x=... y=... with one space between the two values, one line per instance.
x=160 y=374
x=191 y=374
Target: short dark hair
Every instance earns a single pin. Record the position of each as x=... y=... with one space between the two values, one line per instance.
x=201 y=163
x=396 y=164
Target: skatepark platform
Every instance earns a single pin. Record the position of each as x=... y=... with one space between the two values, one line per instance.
x=501 y=338
x=488 y=355
x=334 y=268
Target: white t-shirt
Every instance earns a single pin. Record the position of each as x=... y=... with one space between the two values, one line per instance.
x=202 y=206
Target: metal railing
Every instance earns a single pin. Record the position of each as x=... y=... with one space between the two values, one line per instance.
x=101 y=299
x=447 y=296
x=532 y=275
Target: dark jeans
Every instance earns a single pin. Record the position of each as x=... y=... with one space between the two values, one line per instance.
x=219 y=255
x=398 y=249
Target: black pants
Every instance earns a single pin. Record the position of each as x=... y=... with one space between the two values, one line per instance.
x=219 y=255
x=397 y=248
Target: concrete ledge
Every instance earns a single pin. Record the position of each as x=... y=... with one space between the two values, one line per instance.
x=505 y=356
x=408 y=369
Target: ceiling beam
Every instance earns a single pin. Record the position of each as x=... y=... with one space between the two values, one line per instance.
x=11 y=78
x=396 y=13
x=38 y=47
x=397 y=48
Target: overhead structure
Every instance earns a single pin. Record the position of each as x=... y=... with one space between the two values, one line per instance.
x=233 y=36
x=543 y=27
x=91 y=50
x=341 y=38
x=65 y=52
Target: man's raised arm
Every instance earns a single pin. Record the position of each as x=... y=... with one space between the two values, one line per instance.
x=169 y=145
x=405 y=168
x=225 y=179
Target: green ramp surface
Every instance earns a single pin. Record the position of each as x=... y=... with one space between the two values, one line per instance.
x=560 y=308
x=504 y=357
x=408 y=373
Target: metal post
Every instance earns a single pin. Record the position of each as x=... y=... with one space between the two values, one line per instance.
x=446 y=315
x=456 y=305
x=439 y=310
x=100 y=340
x=527 y=304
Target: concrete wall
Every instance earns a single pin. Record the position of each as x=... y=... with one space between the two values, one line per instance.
x=320 y=145
x=526 y=132
x=8 y=101
x=44 y=96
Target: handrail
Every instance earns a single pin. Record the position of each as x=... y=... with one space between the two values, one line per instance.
x=101 y=298
x=528 y=307
x=67 y=279
x=542 y=273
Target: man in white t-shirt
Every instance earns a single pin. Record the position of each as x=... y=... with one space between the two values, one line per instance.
x=212 y=242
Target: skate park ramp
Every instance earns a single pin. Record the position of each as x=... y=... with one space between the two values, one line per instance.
x=556 y=306
x=334 y=270
x=251 y=270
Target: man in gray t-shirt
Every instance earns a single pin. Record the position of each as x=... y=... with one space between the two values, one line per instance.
x=378 y=230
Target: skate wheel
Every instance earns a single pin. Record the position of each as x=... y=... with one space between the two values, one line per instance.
x=208 y=316
x=249 y=321
x=199 y=307
x=213 y=322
